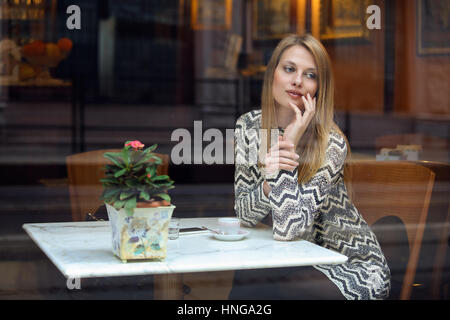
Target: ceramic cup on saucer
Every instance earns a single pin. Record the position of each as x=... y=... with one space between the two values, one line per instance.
x=229 y=226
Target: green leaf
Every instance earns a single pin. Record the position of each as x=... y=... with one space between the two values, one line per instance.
x=142 y=177
x=108 y=180
x=137 y=167
x=110 y=156
x=125 y=195
x=156 y=158
x=129 y=212
x=164 y=196
x=144 y=195
x=130 y=204
x=120 y=172
x=108 y=193
x=151 y=170
x=114 y=198
x=132 y=183
x=126 y=156
x=117 y=155
x=165 y=185
x=159 y=178
x=151 y=148
x=119 y=204
x=144 y=159
x=152 y=185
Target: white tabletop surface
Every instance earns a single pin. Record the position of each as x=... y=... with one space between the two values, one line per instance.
x=83 y=250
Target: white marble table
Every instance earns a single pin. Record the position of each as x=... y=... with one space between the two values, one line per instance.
x=83 y=250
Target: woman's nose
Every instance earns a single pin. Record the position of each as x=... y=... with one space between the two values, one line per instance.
x=297 y=81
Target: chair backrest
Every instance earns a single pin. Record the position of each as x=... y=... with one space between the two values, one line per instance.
x=395 y=188
x=84 y=172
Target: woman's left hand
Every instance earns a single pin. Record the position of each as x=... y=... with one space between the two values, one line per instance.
x=297 y=127
x=281 y=156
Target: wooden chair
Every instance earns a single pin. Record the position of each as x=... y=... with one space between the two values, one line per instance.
x=395 y=188
x=437 y=231
x=84 y=172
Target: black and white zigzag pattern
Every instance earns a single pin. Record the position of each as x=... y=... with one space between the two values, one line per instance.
x=318 y=211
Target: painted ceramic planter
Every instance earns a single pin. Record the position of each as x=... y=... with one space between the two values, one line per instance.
x=142 y=236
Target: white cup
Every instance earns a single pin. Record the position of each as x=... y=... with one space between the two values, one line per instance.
x=229 y=225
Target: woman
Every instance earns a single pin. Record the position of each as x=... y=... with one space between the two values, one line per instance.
x=299 y=178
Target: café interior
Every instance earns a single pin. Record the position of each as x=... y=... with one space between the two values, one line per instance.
x=79 y=76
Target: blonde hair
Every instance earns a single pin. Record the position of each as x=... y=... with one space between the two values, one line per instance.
x=313 y=144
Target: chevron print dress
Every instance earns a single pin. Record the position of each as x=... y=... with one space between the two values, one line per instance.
x=318 y=211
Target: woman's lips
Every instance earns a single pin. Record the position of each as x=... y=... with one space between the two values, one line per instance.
x=294 y=95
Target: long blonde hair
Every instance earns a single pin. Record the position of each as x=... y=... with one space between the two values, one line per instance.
x=313 y=144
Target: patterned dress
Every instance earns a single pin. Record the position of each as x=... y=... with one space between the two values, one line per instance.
x=318 y=211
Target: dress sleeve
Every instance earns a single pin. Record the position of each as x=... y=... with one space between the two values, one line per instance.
x=294 y=205
x=251 y=204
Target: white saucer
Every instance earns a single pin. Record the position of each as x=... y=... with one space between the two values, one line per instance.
x=232 y=237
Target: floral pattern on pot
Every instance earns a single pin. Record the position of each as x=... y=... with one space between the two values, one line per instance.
x=142 y=235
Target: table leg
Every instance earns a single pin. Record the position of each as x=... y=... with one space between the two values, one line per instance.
x=168 y=286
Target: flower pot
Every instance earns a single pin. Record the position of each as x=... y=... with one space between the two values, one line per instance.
x=142 y=236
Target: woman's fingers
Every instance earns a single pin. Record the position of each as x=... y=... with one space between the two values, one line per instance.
x=310 y=109
x=310 y=105
x=296 y=109
x=282 y=144
x=284 y=160
x=306 y=104
x=277 y=162
x=280 y=166
x=284 y=154
x=273 y=167
x=287 y=167
x=310 y=100
x=288 y=154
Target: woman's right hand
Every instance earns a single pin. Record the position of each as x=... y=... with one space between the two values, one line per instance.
x=300 y=122
x=281 y=156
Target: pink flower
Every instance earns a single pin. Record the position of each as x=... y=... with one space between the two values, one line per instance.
x=136 y=144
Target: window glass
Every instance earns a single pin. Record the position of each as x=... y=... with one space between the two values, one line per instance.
x=83 y=75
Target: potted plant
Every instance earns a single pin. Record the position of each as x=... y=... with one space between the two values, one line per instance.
x=137 y=202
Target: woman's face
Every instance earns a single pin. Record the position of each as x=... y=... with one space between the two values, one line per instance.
x=294 y=77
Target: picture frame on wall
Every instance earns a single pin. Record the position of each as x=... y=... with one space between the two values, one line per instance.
x=273 y=20
x=342 y=20
x=433 y=27
x=211 y=14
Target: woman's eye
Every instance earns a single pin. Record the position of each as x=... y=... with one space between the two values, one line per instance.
x=311 y=75
x=289 y=69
